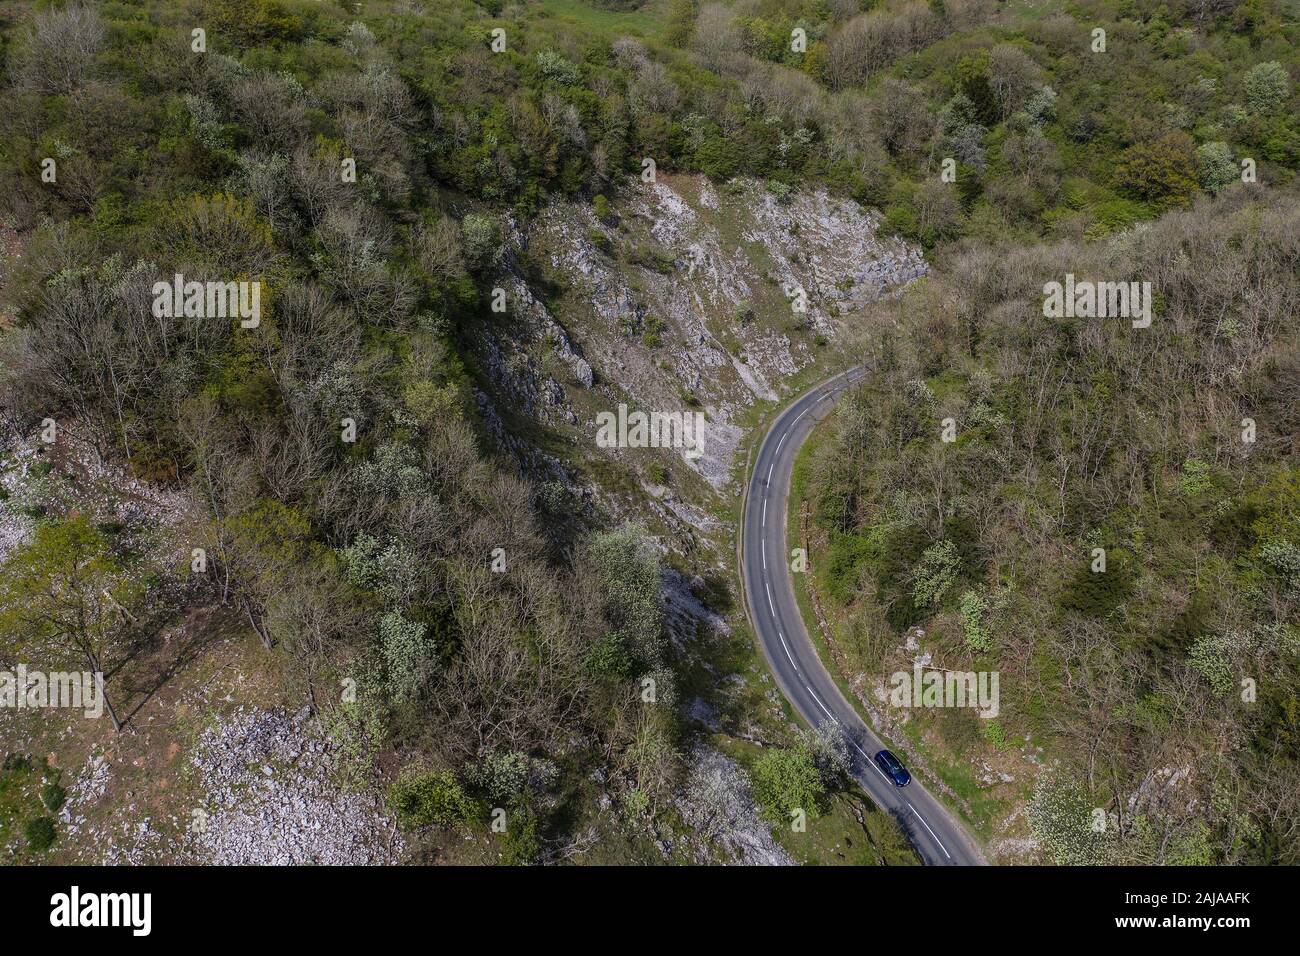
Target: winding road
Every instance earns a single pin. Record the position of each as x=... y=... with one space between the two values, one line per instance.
x=774 y=613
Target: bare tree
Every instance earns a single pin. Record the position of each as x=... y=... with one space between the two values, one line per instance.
x=60 y=49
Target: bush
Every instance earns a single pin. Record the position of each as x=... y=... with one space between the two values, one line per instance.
x=1267 y=86
x=1098 y=593
x=1062 y=820
x=500 y=776
x=600 y=241
x=409 y=655
x=481 y=240
x=627 y=568
x=557 y=68
x=973 y=607
x=52 y=796
x=935 y=574
x=522 y=844
x=608 y=659
x=786 y=781
x=430 y=798
x=1217 y=168
x=16 y=762
x=828 y=745
x=40 y=834
x=844 y=563
x=1163 y=169
x=1195 y=479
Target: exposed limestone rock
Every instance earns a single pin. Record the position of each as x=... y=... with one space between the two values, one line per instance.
x=686 y=294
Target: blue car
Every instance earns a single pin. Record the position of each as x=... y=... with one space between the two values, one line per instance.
x=893 y=768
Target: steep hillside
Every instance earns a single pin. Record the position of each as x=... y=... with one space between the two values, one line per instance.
x=1105 y=515
x=373 y=512
x=682 y=298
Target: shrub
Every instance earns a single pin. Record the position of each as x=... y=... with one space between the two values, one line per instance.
x=935 y=575
x=16 y=762
x=500 y=776
x=408 y=655
x=654 y=330
x=1267 y=86
x=430 y=798
x=40 y=834
x=600 y=241
x=627 y=568
x=828 y=745
x=844 y=566
x=481 y=240
x=1195 y=479
x=1216 y=165
x=522 y=846
x=557 y=68
x=609 y=658
x=1062 y=820
x=1211 y=658
x=786 y=781
x=1098 y=593
x=972 y=621
x=1163 y=169
x=52 y=796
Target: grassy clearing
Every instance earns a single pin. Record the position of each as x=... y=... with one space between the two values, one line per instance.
x=645 y=22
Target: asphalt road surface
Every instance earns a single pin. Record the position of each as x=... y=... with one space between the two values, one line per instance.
x=770 y=602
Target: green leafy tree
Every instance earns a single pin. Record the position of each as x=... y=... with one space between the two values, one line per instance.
x=1216 y=165
x=40 y=834
x=828 y=745
x=627 y=566
x=1267 y=86
x=1161 y=170
x=268 y=545
x=935 y=575
x=977 y=635
x=64 y=598
x=481 y=240
x=681 y=21
x=408 y=655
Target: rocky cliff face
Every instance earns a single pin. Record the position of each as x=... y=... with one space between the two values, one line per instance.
x=685 y=297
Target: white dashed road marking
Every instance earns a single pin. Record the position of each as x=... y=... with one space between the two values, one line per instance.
x=787 y=650
x=790 y=428
x=819 y=701
x=932 y=833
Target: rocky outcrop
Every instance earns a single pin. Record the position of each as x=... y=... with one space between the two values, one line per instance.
x=686 y=297
x=271 y=798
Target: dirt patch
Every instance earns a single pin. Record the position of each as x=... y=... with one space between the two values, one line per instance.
x=130 y=795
